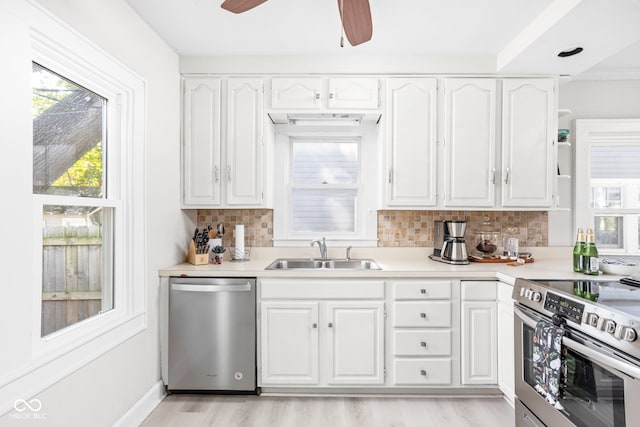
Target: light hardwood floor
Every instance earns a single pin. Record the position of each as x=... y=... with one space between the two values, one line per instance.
x=268 y=411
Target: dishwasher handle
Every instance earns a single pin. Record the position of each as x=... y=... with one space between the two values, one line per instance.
x=210 y=288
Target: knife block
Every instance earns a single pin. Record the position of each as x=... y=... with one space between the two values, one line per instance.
x=194 y=258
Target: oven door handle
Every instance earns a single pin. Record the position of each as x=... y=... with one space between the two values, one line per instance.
x=596 y=356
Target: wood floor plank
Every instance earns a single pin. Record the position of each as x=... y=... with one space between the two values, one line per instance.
x=336 y=411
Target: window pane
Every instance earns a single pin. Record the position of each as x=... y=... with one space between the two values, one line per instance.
x=68 y=135
x=606 y=197
x=324 y=210
x=325 y=163
x=76 y=264
x=608 y=231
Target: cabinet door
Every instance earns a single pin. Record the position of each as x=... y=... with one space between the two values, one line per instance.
x=411 y=142
x=245 y=161
x=479 y=343
x=201 y=142
x=296 y=93
x=506 y=363
x=353 y=93
x=355 y=343
x=289 y=343
x=470 y=142
x=528 y=142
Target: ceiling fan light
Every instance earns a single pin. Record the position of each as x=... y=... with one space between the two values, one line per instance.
x=570 y=52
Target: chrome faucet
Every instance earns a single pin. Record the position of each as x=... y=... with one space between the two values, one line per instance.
x=348 y=255
x=322 y=244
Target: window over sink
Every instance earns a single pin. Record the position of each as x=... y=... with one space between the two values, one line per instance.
x=325 y=185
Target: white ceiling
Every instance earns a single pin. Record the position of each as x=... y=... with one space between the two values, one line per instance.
x=523 y=36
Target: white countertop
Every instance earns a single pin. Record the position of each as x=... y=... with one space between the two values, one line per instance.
x=549 y=263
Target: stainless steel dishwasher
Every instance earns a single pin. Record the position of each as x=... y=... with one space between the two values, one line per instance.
x=212 y=334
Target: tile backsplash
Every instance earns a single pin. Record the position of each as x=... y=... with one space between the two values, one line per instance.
x=395 y=228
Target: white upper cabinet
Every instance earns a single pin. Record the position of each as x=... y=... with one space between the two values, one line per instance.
x=244 y=141
x=411 y=142
x=223 y=166
x=316 y=93
x=201 y=142
x=528 y=142
x=469 y=142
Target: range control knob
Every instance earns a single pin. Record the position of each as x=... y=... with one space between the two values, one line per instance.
x=625 y=333
x=607 y=325
x=535 y=296
x=591 y=319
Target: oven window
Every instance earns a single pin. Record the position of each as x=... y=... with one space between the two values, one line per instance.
x=593 y=396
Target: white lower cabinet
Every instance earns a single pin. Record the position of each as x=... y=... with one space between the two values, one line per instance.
x=422 y=328
x=479 y=332
x=506 y=362
x=323 y=337
x=289 y=333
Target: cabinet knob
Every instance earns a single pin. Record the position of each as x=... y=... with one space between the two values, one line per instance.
x=331 y=95
x=423 y=291
x=316 y=95
x=314 y=326
x=423 y=315
x=423 y=372
x=423 y=344
x=330 y=325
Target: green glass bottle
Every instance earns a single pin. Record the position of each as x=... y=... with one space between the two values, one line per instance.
x=590 y=261
x=577 y=251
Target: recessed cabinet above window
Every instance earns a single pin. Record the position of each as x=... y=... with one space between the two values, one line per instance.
x=315 y=93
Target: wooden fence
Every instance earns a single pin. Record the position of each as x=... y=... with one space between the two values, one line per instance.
x=71 y=275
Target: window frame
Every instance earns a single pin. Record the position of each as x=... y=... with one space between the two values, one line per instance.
x=615 y=131
x=365 y=233
x=64 y=52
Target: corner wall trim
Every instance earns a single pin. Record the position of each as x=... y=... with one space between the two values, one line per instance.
x=143 y=407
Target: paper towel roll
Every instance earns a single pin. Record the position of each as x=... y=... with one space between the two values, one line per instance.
x=239 y=254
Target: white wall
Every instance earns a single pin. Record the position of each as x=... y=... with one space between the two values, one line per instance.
x=102 y=391
x=590 y=99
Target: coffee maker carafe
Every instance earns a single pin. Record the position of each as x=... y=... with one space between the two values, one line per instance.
x=449 y=243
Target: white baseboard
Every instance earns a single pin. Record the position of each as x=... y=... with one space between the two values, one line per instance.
x=143 y=407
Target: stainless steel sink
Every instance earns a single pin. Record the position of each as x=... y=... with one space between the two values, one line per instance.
x=316 y=264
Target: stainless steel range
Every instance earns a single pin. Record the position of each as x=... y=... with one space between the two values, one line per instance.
x=601 y=363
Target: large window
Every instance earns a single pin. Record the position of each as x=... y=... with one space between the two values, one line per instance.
x=326 y=185
x=608 y=183
x=69 y=170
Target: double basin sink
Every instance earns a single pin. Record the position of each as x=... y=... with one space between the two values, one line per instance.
x=318 y=264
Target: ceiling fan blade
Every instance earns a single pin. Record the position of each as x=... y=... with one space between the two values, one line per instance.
x=356 y=20
x=239 y=6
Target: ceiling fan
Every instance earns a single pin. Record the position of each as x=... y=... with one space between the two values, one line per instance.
x=355 y=16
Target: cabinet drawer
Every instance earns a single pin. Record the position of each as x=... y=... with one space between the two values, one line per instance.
x=478 y=291
x=422 y=314
x=422 y=343
x=422 y=290
x=427 y=371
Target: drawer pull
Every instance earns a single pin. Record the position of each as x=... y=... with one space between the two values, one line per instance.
x=423 y=372
x=423 y=344
x=330 y=325
x=314 y=326
x=423 y=291
x=423 y=315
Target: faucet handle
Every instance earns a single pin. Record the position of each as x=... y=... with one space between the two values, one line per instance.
x=348 y=253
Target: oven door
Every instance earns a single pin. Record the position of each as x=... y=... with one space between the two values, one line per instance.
x=601 y=388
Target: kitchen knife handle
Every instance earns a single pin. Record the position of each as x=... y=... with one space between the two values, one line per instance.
x=506 y=176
